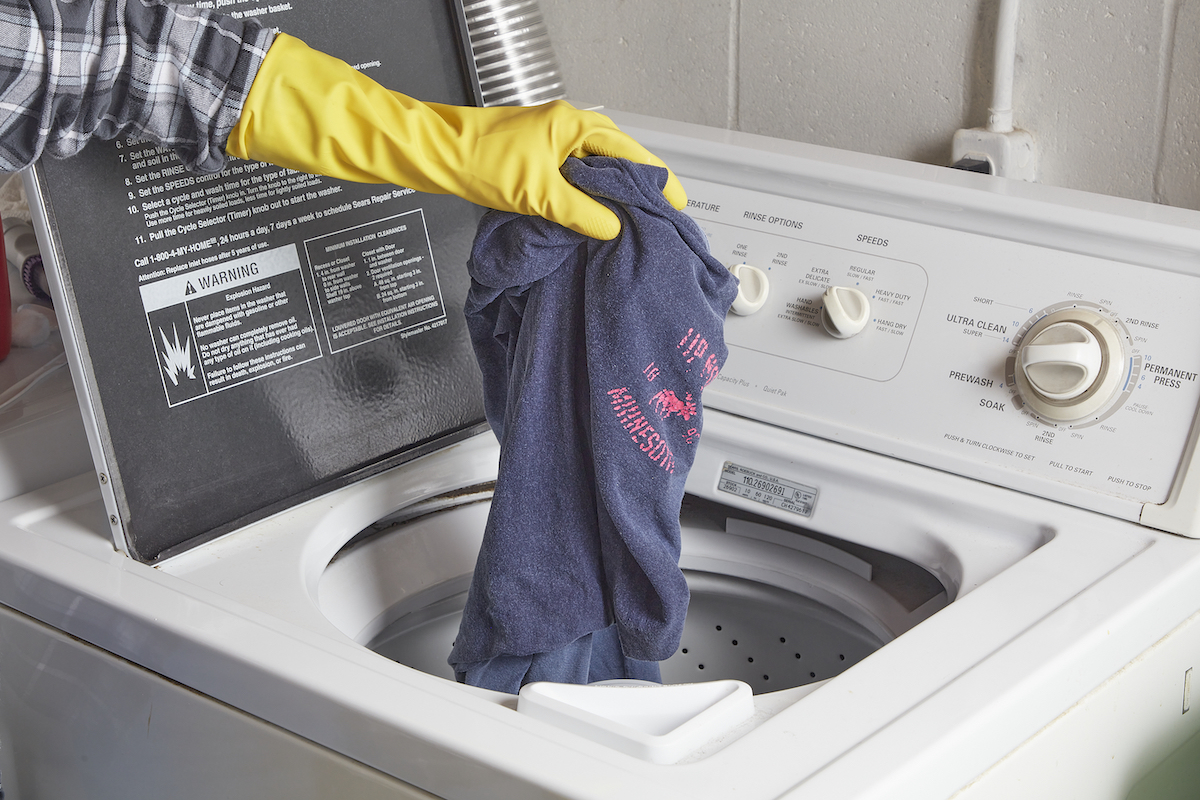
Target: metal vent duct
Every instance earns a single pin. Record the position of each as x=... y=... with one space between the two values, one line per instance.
x=512 y=51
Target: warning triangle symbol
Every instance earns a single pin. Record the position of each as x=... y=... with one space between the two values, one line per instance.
x=190 y=289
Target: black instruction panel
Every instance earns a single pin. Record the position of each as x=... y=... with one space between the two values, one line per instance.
x=257 y=337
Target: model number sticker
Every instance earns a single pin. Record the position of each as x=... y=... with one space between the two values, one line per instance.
x=768 y=489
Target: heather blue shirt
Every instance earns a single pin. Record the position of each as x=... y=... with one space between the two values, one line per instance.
x=594 y=355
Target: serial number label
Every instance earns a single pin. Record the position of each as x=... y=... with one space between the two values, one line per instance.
x=768 y=489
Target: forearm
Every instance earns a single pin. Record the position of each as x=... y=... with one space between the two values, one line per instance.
x=174 y=75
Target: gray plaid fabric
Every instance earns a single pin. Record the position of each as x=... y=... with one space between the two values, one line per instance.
x=74 y=69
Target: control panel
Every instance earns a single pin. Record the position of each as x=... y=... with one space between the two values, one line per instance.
x=975 y=353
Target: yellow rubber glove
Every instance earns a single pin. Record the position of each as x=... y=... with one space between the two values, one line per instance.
x=311 y=112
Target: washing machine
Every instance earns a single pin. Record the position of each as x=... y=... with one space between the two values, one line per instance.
x=940 y=530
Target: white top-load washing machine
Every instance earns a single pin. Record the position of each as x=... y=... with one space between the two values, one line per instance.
x=939 y=532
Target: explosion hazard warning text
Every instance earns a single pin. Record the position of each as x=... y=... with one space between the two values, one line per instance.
x=224 y=325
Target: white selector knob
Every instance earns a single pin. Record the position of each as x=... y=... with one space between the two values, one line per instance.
x=1063 y=361
x=753 y=288
x=1071 y=364
x=846 y=311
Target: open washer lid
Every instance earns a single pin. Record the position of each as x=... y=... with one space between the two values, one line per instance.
x=244 y=341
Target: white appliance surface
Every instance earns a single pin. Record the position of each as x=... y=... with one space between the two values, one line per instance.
x=42 y=427
x=1061 y=658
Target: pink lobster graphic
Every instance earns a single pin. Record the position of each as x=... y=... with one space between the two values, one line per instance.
x=667 y=403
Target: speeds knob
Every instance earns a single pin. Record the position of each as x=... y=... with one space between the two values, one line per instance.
x=1070 y=365
x=846 y=311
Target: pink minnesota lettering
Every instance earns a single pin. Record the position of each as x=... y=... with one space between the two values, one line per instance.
x=641 y=430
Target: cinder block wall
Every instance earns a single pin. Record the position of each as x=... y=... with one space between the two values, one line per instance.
x=1110 y=90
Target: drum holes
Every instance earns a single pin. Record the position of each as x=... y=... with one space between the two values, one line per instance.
x=750 y=660
x=684 y=651
x=841 y=657
x=812 y=674
x=701 y=666
x=718 y=627
x=735 y=642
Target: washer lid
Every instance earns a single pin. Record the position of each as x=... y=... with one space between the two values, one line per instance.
x=242 y=342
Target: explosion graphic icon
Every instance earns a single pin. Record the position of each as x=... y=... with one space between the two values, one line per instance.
x=177 y=358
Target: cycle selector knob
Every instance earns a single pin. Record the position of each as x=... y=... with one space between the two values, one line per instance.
x=753 y=288
x=1070 y=365
x=1063 y=361
x=846 y=311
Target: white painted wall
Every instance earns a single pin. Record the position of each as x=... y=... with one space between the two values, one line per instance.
x=1109 y=88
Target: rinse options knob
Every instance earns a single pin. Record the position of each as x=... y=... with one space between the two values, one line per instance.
x=753 y=288
x=1070 y=364
x=846 y=311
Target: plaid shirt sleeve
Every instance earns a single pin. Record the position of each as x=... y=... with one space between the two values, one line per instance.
x=74 y=69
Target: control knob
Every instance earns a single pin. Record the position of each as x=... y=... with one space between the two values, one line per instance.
x=1070 y=365
x=753 y=288
x=846 y=311
x=1063 y=361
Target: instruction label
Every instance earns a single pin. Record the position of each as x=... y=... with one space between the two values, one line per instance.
x=375 y=280
x=237 y=321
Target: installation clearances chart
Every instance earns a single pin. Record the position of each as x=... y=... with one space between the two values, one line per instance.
x=256 y=336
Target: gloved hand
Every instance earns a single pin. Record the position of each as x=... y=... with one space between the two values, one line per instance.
x=314 y=113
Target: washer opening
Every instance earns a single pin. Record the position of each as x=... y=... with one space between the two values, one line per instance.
x=772 y=605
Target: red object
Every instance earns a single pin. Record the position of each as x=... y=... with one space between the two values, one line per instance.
x=5 y=304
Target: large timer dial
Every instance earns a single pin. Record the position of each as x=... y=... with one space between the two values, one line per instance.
x=1072 y=364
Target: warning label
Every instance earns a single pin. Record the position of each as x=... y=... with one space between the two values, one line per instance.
x=234 y=322
x=376 y=280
